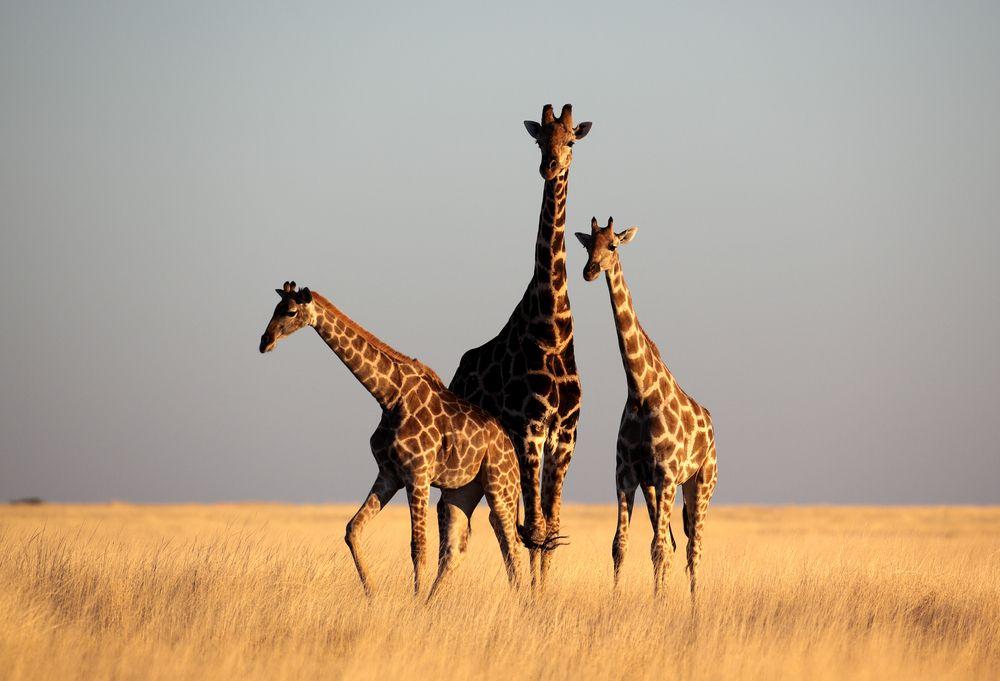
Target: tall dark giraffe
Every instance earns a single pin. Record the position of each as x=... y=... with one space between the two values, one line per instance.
x=665 y=438
x=526 y=376
x=428 y=437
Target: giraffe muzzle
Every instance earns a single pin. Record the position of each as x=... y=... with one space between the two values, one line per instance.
x=266 y=343
x=549 y=169
x=591 y=272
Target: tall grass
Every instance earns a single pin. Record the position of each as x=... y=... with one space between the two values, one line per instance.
x=270 y=592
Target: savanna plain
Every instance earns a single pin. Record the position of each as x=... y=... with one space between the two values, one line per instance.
x=270 y=592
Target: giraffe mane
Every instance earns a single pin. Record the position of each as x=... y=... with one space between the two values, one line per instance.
x=377 y=343
x=652 y=344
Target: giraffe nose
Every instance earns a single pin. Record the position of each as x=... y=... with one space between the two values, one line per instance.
x=591 y=271
x=265 y=343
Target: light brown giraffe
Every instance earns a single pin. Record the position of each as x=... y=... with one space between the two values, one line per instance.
x=665 y=438
x=428 y=437
x=526 y=376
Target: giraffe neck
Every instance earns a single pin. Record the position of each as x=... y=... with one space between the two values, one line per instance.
x=375 y=364
x=548 y=298
x=632 y=340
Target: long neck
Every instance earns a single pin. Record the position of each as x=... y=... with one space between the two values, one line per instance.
x=632 y=341
x=373 y=363
x=547 y=294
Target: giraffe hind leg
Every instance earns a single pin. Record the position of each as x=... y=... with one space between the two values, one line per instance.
x=697 y=495
x=502 y=485
x=626 y=500
x=455 y=510
x=503 y=521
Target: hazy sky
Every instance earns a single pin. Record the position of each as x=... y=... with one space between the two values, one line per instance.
x=817 y=187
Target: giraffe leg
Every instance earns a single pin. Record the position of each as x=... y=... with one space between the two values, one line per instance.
x=455 y=511
x=626 y=499
x=534 y=523
x=697 y=495
x=503 y=519
x=554 y=473
x=419 y=497
x=665 y=489
x=382 y=491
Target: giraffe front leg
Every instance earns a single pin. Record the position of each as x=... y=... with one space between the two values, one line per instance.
x=419 y=497
x=626 y=500
x=382 y=491
x=665 y=489
x=533 y=530
x=553 y=475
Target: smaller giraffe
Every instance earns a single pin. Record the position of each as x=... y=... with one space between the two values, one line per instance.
x=665 y=438
x=428 y=437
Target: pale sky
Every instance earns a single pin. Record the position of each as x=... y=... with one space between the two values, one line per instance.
x=816 y=185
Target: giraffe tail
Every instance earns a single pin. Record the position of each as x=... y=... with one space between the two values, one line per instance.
x=548 y=544
x=673 y=542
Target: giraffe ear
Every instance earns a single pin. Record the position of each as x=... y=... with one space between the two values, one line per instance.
x=585 y=239
x=627 y=235
x=582 y=129
x=304 y=296
x=533 y=128
x=280 y=292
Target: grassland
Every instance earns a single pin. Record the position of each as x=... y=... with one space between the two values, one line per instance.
x=270 y=592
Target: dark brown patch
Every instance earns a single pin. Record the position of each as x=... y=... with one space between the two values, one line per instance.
x=631 y=344
x=422 y=392
x=699 y=441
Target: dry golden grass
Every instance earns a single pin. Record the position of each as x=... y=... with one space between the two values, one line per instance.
x=270 y=592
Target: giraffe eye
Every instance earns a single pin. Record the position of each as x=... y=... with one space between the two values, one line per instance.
x=291 y=313
x=612 y=248
x=569 y=144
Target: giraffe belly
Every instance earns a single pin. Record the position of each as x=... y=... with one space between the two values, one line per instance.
x=459 y=460
x=452 y=479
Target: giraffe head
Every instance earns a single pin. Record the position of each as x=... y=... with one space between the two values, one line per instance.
x=555 y=137
x=602 y=246
x=294 y=310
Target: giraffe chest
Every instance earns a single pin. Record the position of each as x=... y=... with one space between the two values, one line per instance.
x=546 y=326
x=542 y=388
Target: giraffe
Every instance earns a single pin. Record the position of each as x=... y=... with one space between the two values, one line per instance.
x=665 y=438
x=427 y=437
x=526 y=376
